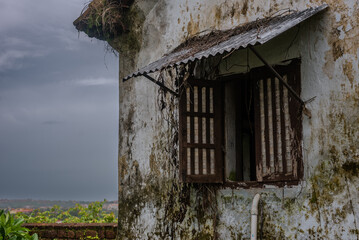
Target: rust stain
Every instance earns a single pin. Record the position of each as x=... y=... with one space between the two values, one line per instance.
x=337 y=50
x=217 y=14
x=348 y=71
x=245 y=7
x=123 y=166
x=341 y=46
x=235 y=13
x=192 y=26
x=154 y=165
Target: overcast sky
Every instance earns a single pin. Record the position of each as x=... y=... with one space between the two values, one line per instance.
x=58 y=105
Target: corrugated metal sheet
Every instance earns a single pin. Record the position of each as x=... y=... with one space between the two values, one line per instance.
x=254 y=33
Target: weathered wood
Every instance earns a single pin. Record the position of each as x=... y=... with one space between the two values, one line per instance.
x=208 y=132
x=192 y=129
x=282 y=124
x=275 y=132
x=266 y=128
x=277 y=75
x=200 y=151
x=257 y=134
x=182 y=136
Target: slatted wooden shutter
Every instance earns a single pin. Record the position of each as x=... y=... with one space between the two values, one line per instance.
x=278 y=126
x=201 y=135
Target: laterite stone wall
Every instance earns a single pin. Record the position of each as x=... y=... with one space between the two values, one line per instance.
x=60 y=231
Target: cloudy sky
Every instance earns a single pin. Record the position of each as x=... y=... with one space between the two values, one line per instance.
x=58 y=105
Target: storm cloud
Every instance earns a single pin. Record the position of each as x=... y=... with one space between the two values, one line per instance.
x=58 y=105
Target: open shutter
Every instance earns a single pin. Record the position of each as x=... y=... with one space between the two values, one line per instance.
x=201 y=135
x=278 y=126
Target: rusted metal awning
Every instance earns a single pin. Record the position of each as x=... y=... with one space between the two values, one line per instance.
x=222 y=42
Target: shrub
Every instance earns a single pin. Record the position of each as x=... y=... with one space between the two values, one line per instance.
x=93 y=213
x=11 y=229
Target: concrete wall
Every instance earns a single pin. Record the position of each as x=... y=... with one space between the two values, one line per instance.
x=153 y=204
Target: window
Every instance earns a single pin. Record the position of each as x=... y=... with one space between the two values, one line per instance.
x=242 y=128
x=201 y=132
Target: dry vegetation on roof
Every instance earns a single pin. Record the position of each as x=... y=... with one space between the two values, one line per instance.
x=104 y=19
x=202 y=41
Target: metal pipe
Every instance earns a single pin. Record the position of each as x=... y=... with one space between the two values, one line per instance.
x=254 y=217
x=277 y=75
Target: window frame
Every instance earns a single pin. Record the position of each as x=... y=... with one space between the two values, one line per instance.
x=257 y=73
x=295 y=115
x=218 y=176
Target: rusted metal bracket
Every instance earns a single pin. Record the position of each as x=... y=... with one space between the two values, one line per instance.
x=159 y=84
x=278 y=76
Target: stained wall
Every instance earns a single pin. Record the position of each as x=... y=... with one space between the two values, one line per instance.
x=153 y=204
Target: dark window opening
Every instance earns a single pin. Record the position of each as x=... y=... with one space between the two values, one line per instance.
x=244 y=124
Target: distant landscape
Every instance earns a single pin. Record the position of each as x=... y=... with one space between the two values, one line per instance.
x=16 y=205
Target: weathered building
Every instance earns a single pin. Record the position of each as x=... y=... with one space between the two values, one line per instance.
x=220 y=126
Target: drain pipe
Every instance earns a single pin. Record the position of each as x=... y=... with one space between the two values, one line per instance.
x=254 y=217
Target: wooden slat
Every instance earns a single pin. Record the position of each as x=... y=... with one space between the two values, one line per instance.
x=200 y=155
x=286 y=96
x=267 y=162
x=278 y=126
x=282 y=124
x=274 y=117
x=192 y=130
x=296 y=125
x=210 y=178
x=292 y=115
x=208 y=133
x=278 y=177
x=200 y=145
x=198 y=114
x=182 y=138
x=270 y=124
x=257 y=133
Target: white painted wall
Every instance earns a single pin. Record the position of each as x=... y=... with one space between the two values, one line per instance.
x=326 y=203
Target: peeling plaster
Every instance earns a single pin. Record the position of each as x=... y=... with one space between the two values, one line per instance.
x=325 y=205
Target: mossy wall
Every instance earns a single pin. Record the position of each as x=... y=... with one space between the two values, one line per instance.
x=153 y=204
x=81 y=231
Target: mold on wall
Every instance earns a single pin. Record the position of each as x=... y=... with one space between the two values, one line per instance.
x=153 y=204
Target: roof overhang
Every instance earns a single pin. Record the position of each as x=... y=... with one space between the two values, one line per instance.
x=222 y=42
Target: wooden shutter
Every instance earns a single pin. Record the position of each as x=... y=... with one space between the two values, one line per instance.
x=201 y=135
x=278 y=124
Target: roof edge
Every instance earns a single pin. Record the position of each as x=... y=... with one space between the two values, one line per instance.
x=251 y=37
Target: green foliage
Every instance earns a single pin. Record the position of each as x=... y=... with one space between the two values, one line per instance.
x=11 y=229
x=92 y=213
